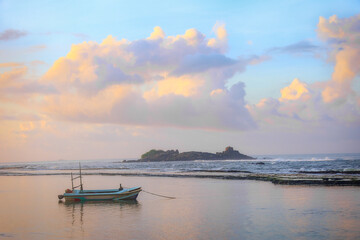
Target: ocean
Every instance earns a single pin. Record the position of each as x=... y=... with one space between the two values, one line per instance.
x=341 y=164
x=203 y=208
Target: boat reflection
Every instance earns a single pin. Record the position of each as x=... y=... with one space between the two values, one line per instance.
x=82 y=215
x=101 y=203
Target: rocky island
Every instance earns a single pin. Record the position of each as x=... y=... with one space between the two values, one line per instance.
x=174 y=155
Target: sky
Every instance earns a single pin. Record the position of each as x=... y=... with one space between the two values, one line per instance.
x=114 y=79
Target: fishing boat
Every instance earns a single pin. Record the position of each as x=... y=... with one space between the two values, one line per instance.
x=80 y=194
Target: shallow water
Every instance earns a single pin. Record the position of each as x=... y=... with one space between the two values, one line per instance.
x=203 y=209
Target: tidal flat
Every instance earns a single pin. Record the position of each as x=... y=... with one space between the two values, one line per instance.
x=203 y=209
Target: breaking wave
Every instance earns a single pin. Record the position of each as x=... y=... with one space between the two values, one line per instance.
x=264 y=164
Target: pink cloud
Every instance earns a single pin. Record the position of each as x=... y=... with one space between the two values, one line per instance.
x=11 y=34
x=10 y=64
x=157 y=81
x=333 y=101
x=12 y=77
x=343 y=36
x=16 y=85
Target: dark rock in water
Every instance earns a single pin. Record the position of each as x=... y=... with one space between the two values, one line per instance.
x=260 y=163
x=174 y=155
x=159 y=155
x=128 y=161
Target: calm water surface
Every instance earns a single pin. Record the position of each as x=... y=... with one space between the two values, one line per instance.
x=203 y=209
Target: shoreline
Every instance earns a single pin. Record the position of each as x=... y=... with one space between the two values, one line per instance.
x=282 y=179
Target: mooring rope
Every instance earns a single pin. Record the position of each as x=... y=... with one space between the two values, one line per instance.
x=155 y=194
x=158 y=194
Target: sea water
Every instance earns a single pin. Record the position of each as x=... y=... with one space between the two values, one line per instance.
x=202 y=209
x=267 y=164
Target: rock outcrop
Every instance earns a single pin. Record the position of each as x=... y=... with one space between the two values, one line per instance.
x=174 y=155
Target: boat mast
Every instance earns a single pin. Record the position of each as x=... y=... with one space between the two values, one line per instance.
x=81 y=184
x=72 y=181
x=73 y=178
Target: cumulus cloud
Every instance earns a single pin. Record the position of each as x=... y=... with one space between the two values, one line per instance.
x=220 y=41
x=159 y=81
x=301 y=104
x=11 y=34
x=343 y=35
x=157 y=33
x=334 y=101
x=295 y=91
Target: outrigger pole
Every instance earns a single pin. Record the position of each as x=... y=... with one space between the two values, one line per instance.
x=73 y=178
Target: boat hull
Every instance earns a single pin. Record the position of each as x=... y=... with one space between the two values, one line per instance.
x=103 y=195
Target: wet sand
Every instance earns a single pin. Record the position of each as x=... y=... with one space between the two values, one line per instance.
x=203 y=209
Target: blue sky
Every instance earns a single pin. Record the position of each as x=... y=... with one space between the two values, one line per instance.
x=272 y=43
x=55 y=25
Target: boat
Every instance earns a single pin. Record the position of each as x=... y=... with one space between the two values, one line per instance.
x=100 y=195
x=78 y=195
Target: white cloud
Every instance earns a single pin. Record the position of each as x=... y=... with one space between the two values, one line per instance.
x=343 y=36
x=158 y=81
x=333 y=102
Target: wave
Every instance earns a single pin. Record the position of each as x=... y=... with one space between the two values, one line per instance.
x=271 y=164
